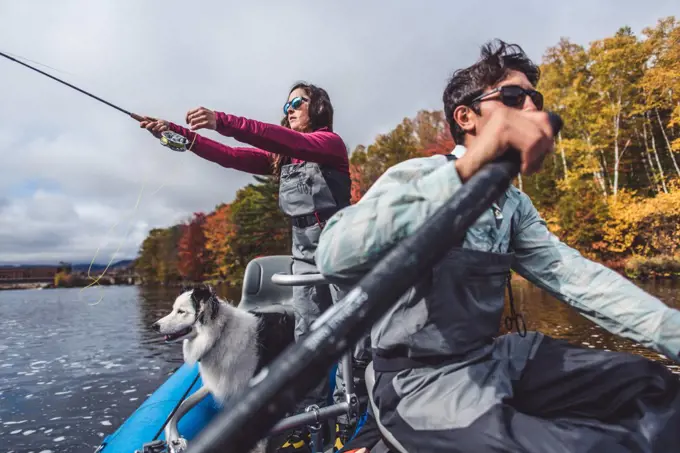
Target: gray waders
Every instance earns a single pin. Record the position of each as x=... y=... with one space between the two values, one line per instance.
x=310 y=194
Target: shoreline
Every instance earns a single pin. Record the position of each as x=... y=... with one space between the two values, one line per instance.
x=515 y=276
x=23 y=286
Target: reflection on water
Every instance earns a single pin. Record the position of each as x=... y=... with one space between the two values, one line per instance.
x=71 y=371
x=546 y=314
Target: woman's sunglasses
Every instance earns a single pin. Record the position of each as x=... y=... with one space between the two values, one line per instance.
x=295 y=103
x=513 y=96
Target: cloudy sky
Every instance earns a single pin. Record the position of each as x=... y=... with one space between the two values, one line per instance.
x=72 y=169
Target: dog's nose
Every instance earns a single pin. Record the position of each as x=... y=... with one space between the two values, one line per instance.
x=155 y=326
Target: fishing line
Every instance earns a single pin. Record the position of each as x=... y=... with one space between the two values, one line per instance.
x=95 y=281
x=39 y=64
x=169 y=139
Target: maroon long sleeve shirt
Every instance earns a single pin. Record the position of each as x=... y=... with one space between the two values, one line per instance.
x=321 y=146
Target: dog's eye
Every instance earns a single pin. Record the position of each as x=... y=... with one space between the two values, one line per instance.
x=181 y=312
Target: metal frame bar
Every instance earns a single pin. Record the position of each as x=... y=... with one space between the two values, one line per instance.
x=298 y=279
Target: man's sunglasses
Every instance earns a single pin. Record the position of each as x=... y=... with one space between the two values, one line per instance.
x=513 y=96
x=295 y=103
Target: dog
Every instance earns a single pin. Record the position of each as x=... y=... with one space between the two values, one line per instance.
x=231 y=345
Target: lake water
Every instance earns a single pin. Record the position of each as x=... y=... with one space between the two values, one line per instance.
x=73 y=367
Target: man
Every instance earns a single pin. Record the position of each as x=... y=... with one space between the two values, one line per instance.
x=444 y=382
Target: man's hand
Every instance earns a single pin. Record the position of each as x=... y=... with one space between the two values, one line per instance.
x=528 y=132
x=154 y=126
x=201 y=118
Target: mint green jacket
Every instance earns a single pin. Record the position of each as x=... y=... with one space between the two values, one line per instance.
x=403 y=198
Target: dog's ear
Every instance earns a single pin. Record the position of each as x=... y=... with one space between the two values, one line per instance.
x=208 y=304
x=202 y=293
x=214 y=307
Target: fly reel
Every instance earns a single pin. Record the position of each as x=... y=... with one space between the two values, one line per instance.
x=174 y=141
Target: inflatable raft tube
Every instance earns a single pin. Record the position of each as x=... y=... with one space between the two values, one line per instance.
x=146 y=424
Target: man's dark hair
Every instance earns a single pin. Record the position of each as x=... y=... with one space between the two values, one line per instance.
x=497 y=58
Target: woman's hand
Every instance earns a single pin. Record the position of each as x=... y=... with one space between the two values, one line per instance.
x=154 y=126
x=201 y=118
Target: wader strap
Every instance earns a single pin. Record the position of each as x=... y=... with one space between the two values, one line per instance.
x=516 y=319
x=304 y=221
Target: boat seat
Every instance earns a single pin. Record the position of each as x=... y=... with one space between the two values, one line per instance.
x=259 y=292
x=387 y=436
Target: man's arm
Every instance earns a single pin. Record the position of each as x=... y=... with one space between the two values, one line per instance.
x=597 y=292
x=399 y=202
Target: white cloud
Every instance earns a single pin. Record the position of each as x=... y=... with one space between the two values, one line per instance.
x=88 y=161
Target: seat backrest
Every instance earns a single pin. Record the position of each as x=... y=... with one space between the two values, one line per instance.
x=258 y=289
x=387 y=436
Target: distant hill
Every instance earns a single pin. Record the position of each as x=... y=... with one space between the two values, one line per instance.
x=82 y=267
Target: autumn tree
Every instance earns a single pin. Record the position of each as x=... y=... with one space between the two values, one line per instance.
x=616 y=66
x=157 y=260
x=219 y=233
x=193 y=260
x=424 y=135
x=260 y=227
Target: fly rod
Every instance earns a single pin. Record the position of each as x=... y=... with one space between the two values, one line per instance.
x=302 y=365
x=170 y=139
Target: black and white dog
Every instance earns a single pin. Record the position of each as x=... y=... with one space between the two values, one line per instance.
x=230 y=344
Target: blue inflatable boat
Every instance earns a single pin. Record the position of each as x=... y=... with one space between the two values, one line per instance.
x=177 y=411
x=150 y=421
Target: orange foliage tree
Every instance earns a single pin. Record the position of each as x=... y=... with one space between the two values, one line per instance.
x=193 y=259
x=220 y=232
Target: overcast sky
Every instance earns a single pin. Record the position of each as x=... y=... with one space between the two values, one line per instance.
x=71 y=169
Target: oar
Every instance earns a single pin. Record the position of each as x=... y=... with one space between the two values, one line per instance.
x=303 y=365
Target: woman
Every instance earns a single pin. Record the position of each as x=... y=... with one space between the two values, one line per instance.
x=312 y=165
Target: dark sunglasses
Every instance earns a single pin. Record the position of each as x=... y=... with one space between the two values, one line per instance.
x=295 y=103
x=513 y=96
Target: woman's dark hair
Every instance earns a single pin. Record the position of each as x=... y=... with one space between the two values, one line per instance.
x=496 y=59
x=320 y=116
